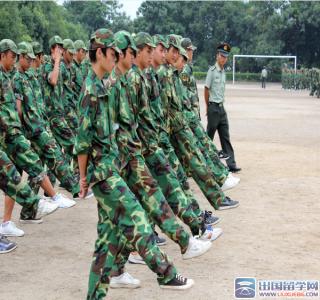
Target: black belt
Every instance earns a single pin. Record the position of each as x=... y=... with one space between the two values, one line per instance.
x=215 y=103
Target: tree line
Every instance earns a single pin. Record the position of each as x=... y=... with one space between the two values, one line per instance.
x=251 y=27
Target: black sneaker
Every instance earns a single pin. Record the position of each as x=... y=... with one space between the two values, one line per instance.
x=223 y=155
x=6 y=246
x=178 y=283
x=209 y=218
x=159 y=240
x=228 y=204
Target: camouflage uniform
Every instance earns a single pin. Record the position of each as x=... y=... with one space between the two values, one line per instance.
x=35 y=130
x=182 y=137
x=13 y=142
x=154 y=156
x=55 y=111
x=134 y=168
x=11 y=184
x=191 y=112
x=121 y=216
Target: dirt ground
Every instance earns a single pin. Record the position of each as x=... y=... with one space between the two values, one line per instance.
x=273 y=234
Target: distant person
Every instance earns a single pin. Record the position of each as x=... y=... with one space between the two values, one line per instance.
x=214 y=97
x=264 y=75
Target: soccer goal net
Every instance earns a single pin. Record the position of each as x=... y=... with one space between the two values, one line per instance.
x=261 y=56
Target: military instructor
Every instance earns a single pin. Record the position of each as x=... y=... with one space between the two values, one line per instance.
x=214 y=98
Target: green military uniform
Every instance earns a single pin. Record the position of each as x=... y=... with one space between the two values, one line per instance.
x=134 y=169
x=77 y=75
x=148 y=133
x=68 y=97
x=35 y=128
x=13 y=141
x=203 y=141
x=11 y=184
x=120 y=214
x=55 y=106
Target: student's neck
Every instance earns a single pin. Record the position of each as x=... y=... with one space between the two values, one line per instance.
x=122 y=69
x=100 y=72
x=139 y=65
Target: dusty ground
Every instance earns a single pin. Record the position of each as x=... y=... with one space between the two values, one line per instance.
x=274 y=234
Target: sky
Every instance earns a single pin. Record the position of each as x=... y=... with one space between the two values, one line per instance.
x=130 y=7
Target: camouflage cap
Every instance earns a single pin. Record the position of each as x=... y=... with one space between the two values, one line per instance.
x=7 y=44
x=55 y=40
x=144 y=38
x=175 y=41
x=224 y=48
x=79 y=44
x=37 y=48
x=103 y=38
x=123 y=40
x=187 y=44
x=68 y=45
x=160 y=39
x=184 y=53
x=26 y=48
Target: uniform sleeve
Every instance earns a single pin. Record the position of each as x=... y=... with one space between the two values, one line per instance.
x=17 y=88
x=208 y=79
x=88 y=108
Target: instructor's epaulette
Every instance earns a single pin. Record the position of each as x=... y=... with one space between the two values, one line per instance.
x=211 y=68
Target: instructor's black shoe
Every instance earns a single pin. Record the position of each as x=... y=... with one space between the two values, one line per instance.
x=178 y=283
x=228 y=204
x=234 y=169
x=223 y=155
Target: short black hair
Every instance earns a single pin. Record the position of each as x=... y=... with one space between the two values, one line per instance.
x=93 y=54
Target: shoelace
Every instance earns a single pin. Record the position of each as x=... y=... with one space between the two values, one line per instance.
x=181 y=279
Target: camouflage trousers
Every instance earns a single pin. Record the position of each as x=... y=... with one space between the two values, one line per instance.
x=146 y=189
x=64 y=137
x=12 y=185
x=50 y=153
x=179 y=171
x=122 y=224
x=72 y=120
x=193 y=160
x=181 y=206
x=19 y=150
x=209 y=152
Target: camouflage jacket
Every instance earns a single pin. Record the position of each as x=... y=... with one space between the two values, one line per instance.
x=190 y=83
x=96 y=133
x=31 y=114
x=122 y=112
x=9 y=120
x=37 y=86
x=137 y=89
x=85 y=66
x=76 y=78
x=170 y=86
x=68 y=95
x=153 y=92
x=52 y=94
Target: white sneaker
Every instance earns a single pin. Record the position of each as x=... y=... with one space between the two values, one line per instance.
x=135 y=258
x=237 y=179
x=211 y=234
x=10 y=229
x=62 y=201
x=125 y=280
x=45 y=208
x=88 y=196
x=196 y=248
x=230 y=183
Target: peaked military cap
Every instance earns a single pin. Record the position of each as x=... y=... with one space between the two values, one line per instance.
x=187 y=44
x=103 y=38
x=160 y=39
x=79 y=44
x=144 y=38
x=37 y=48
x=224 y=49
x=68 y=45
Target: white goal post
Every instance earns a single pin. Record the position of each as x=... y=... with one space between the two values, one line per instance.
x=261 y=56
